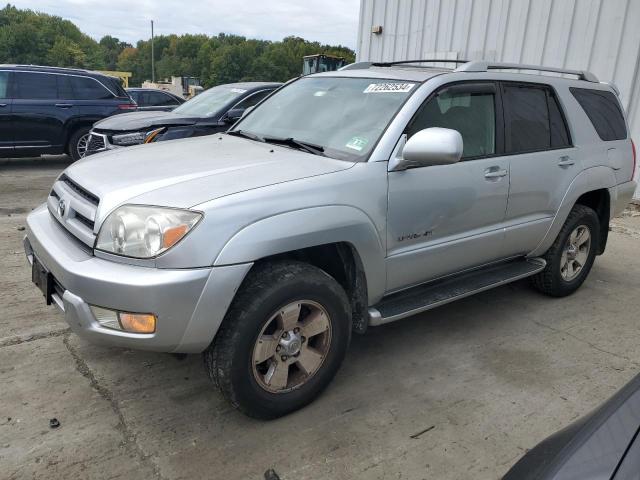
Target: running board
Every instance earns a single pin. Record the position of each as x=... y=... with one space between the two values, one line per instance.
x=430 y=295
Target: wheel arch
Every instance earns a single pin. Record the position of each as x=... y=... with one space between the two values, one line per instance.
x=321 y=236
x=590 y=188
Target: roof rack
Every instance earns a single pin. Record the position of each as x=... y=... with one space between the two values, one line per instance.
x=404 y=62
x=483 y=66
x=478 y=66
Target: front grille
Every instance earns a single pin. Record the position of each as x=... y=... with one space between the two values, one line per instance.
x=75 y=208
x=79 y=190
x=85 y=221
x=96 y=144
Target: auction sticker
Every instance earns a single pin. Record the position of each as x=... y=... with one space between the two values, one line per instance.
x=389 y=88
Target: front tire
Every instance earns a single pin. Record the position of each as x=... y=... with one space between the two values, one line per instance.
x=282 y=340
x=570 y=258
x=78 y=143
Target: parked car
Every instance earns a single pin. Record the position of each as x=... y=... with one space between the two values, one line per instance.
x=603 y=445
x=344 y=201
x=50 y=110
x=213 y=111
x=152 y=99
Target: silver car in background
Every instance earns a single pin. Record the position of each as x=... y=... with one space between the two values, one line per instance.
x=345 y=200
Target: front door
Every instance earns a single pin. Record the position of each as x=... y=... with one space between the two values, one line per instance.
x=447 y=218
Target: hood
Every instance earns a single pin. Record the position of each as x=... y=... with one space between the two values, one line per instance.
x=187 y=172
x=143 y=120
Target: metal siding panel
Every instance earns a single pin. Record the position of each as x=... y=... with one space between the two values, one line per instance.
x=514 y=34
x=599 y=35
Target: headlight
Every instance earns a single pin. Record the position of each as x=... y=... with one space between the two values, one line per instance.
x=135 y=138
x=128 y=139
x=144 y=232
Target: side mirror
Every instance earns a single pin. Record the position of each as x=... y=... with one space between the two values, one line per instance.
x=234 y=115
x=431 y=146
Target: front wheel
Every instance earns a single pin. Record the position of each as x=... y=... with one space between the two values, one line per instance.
x=78 y=143
x=282 y=341
x=571 y=256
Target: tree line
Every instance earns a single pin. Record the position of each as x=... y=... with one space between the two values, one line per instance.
x=28 y=37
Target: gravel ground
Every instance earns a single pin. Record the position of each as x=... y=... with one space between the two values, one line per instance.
x=460 y=392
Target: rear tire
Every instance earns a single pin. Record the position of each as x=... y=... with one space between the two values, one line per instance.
x=570 y=258
x=78 y=142
x=278 y=304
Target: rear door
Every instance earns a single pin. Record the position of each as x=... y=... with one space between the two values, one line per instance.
x=6 y=126
x=446 y=218
x=543 y=162
x=38 y=115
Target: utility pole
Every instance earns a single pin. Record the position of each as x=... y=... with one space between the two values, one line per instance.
x=153 y=60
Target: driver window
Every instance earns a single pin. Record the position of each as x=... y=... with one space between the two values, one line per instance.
x=470 y=113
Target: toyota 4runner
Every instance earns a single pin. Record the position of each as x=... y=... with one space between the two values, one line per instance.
x=345 y=200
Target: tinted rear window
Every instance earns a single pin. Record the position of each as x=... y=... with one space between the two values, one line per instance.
x=527 y=119
x=35 y=86
x=534 y=119
x=603 y=110
x=85 y=88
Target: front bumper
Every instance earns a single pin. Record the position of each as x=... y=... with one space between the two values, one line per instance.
x=190 y=303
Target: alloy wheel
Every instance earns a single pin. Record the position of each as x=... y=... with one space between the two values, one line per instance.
x=292 y=346
x=575 y=253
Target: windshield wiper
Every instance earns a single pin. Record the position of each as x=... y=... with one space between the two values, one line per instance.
x=243 y=134
x=300 y=145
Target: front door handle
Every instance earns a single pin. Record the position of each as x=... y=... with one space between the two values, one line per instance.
x=64 y=105
x=566 y=161
x=495 y=172
x=3 y=105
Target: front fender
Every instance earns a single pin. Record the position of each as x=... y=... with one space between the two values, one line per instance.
x=311 y=227
x=591 y=179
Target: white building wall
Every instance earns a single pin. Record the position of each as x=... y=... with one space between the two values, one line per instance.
x=602 y=36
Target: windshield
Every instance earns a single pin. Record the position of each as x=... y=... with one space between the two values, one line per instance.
x=344 y=116
x=208 y=103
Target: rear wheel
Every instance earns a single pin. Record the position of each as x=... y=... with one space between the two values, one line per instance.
x=282 y=340
x=571 y=256
x=78 y=143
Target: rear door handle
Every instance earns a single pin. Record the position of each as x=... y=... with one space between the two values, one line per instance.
x=566 y=161
x=64 y=105
x=3 y=105
x=495 y=172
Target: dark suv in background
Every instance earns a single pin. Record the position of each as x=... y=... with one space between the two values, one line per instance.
x=213 y=111
x=50 y=110
x=152 y=99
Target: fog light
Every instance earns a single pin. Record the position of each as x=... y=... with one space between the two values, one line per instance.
x=125 y=321
x=138 y=322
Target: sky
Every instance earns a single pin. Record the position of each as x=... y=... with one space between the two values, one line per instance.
x=326 y=21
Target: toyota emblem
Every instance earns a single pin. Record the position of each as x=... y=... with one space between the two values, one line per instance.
x=62 y=206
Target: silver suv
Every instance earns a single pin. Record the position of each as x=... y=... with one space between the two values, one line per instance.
x=343 y=201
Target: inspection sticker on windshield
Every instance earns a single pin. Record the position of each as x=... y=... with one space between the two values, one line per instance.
x=357 y=143
x=388 y=88
x=238 y=90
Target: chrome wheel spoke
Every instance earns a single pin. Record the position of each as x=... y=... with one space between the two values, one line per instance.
x=278 y=375
x=265 y=348
x=289 y=316
x=309 y=360
x=314 y=324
